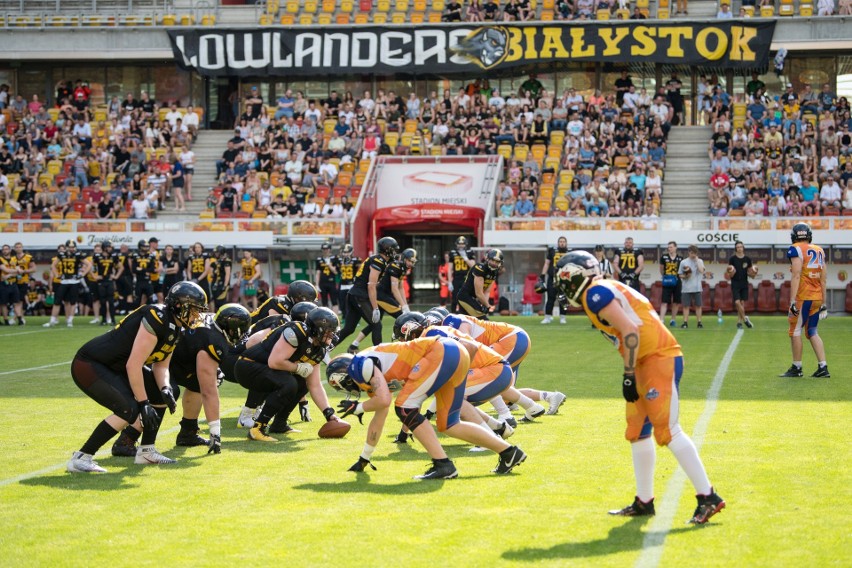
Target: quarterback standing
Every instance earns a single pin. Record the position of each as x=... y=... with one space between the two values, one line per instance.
x=546 y=278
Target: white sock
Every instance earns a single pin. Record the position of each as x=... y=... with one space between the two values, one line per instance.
x=644 y=460
x=500 y=406
x=493 y=423
x=687 y=456
x=246 y=412
x=822 y=363
x=525 y=402
x=797 y=364
x=355 y=343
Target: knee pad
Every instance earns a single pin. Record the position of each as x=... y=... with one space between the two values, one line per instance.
x=410 y=417
x=129 y=412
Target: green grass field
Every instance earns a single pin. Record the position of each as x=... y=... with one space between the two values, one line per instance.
x=776 y=449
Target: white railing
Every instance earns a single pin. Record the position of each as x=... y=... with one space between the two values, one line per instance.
x=666 y=224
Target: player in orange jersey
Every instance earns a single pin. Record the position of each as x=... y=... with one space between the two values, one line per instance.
x=653 y=364
x=419 y=369
x=807 y=307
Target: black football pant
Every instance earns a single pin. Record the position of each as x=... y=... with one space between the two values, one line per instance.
x=551 y=299
x=360 y=308
x=281 y=387
x=106 y=295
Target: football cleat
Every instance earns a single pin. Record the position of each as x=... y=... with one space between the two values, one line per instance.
x=684 y=325
x=672 y=323
x=190 y=439
x=83 y=463
x=95 y=321
x=820 y=373
x=148 y=455
x=124 y=447
x=510 y=420
x=699 y=325
x=246 y=419
x=533 y=412
x=708 y=505
x=504 y=431
x=739 y=325
x=509 y=458
x=748 y=323
x=547 y=320
x=636 y=509
x=554 y=400
x=282 y=428
x=445 y=470
x=258 y=434
x=562 y=320
x=50 y=324
x=69 y=324
x=793 y=371
x=353 y=349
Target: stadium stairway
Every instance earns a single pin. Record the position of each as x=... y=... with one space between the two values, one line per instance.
x=687 y=172
x=208 y=148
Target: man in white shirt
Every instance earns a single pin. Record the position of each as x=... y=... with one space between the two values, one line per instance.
x=139 y=207
x=631 y=99
x=575 y=126
x=828 y=163
x=328 y=172
x=513 y=102
x=293 y=168
x=83 y=132
x=367 y=103
x=496 y=100
x=830 y=194
x=190 y=120
x=173 y=115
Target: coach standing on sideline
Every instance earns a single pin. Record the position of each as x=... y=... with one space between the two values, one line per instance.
x=740 y=268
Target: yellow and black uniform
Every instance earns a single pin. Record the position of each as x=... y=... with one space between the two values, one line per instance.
x=169 y=280
x=628 y=262
x=99 y=368
x=9 y=293
x=458 y=259
x=384 y=293
x=105 y=265
x=206 y=338
x=327 y=266
x=69 y=264
x=553 y=257
x=144 y=265
x=195 y=265
x=220 y=280
x=124 y=284
x=248 y=269
x=347 y=267
x=281 y=304
x=156 y=284
x=358 y=300
x=671 y=281
x=34 y=298
x=25 y=261
x=467 y=298
x=283 y=389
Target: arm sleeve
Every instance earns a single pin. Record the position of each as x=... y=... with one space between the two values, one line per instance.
x=598 y=297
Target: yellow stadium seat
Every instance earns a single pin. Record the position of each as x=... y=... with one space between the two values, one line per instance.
x=168 y=20
x=663 y=13
x=362 y=18
x=187 y=20
x=642 y=3
x=505 y=150
x=561 y=203
x=310 y=7
x=287 y=20
x=806 y=10
x=380 y=18
x=398 y=18
x=566 y=177
x=439 y=5
x=434 y=17
x=521 y=152
x=266 y=20
x=418 y=17
x=552 y=163
x=342 y=19
x=543 y=204
x=383 y=6
x=272 y=6
x=547 y=16
x=420 y=5
x=602 y=14
x=324 y=19
x=749 y=10
x=392 y=139
x=292 y=7
x=329 y=6
x=347 y=6
x=767 y=11
x=208 y=20
x=401 y=5
x=306 y=19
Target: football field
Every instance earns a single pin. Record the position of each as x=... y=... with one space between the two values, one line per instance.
x=778 y=450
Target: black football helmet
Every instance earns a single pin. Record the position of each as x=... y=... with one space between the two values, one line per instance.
x=461 y=242
x=302 y=291
x=433 y=317
x=186 y=300
x=220 y=250
x=322 y=325
x=574 y=273
x=409 y=326
x=143 y=244
x=494 y=258
x=325 y=246
x=410 y=255
x=300 y=311
x=337 y=376
x=106 y=244
x=540 y=286
x=387 y=246
x=347 y=249
x=801 y=232
x=234 y=321
x=444 y=312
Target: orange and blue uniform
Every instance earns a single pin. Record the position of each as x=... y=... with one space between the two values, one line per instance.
x=510 y=341
x=421 y=368
x=659 y=362
x=489 y=373
x=810 y=295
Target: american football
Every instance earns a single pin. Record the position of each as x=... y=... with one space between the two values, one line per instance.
x=687 y=271
x=334 y=428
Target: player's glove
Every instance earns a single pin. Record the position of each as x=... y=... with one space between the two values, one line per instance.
x=220 y=378
x=169 y=398
x=450 y=286
x=361 y=464
x=628 y=387
x=794 y=309
x=148 y=415
x=401 y=438
x=303 y=412
x=348 y=407
x=215 y=444
x=304 y=370
x=405 y=309
x=562 y=299
x=377 y=315
x=823 y=312
x=329 y=414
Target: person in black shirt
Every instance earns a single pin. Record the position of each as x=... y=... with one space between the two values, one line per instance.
x=198 y=267
x=547 y=275
x=473 y=297
x=460 y=265
x=740 y=268
x=298 y=291
x=70 y=265
x=347 y=266
x=622 y=85
x=628 y=264
x=227 y=199
x=363 y=300
x=669 y=270
x=228 y=156
x=105 y=270
x=144 y=264
x=170 y=264
x=109 y=369
x=220 y=286
x=325 y=279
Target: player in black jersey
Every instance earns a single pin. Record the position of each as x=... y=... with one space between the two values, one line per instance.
x=363 y=298
x=283 y=363
x=460 y=265
x=69 y=265
x=124 y=284
x=347 y=266
x=669 y=269
x=198 y=267
x=221 y=280
x=297 y=291
x=170 y=265
x=628 y=264
x=144 y=264
x=545 y=279
x=473 y=296
x=109 y=369
x=157 y=283
x=325 y=278
x=105 y=270
x=9 y=292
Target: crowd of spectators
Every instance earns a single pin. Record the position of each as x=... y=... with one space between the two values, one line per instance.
x=122 y=159
x=525 y=10
x=788 y=154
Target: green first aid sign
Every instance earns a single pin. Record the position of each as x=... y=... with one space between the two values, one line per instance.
x=294 y=270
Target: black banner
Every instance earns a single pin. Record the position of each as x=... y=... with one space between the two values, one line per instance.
x=464 y=49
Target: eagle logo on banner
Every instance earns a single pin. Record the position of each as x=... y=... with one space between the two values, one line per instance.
x=485 y=47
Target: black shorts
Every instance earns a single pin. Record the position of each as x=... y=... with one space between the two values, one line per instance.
x=106 y=290
x=740 y=291
x=9 y=294
x=23 y=291
x=472 y=306
x=124 y=286
x=67 y=293
x=143 y=288
x=388 y=304
x=109 y=388
x=156 y=286
x=672 y=294
x=328 y=293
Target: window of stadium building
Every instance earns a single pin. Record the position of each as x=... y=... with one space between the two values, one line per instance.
x=844 y=76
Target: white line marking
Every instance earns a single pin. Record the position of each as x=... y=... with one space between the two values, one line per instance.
x=102 y=453
x=34 y=368
x=652 y=545
x=2 y=335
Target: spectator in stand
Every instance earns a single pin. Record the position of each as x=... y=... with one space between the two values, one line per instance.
x=830 y=194
x=736 y=195
x=720 y=163
x=524 y=207
x=825 y=8
x=278 y=207
x=294 y=209
x=227 y=199
x=490 y=10
x=754 y=207
x=474 y=11
x=724 y=12
x=829 y=163
x=139 y=208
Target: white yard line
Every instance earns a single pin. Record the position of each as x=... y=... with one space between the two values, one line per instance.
x=2 y=335
x=102 y=453
x=655 y=538
x=34 y=368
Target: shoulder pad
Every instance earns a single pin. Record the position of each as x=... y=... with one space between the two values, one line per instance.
x=793 y=252
x=290 y=335
x=598 y=297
